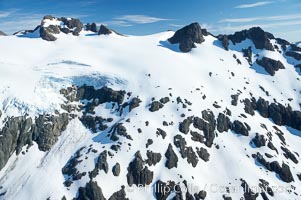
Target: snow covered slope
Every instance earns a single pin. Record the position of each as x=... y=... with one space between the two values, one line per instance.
x=212 y=121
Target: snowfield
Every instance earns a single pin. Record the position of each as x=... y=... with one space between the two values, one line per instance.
x=33 y=71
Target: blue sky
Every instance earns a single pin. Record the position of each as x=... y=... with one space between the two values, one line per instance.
x=139 y=17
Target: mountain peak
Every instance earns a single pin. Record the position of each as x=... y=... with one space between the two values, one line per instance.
x=187 y=36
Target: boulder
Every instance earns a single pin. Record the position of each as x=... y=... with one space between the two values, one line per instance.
x=270 y=65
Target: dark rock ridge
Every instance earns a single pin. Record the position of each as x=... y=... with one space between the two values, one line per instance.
x=270 y=65
x=139 y=174
x=103 y=30
x=283 y=171
x=90 y=192
x=185 y=151
x=101 y=164
x=280 y=114
x=260 y=38
x=91 y=27
x=2 y=33
x=293 y=54
x=20 y=131
x=187 y=36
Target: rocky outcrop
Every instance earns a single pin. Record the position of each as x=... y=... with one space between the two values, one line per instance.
x=240 y=128
x=187 y=37
x=137 y=173
x=70 y=169
x=101 y=164
x=119 y=195
x=153 y=158
x=2 y=33
x=171 y=158
x=91 y=27
x=247 y=53
x=116 y=169
x=155 y=106
x=103 y=30
x=68 y=25
x=102 y=95
x=203 y=154
x=293 y=54
x=283 y=171
x=186 y=151
x=90 y=192
x=260 y=38
x=270 y=65
x=223 y=123
x=259 y=140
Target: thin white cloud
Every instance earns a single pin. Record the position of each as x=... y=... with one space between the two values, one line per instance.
x=253 y=5
x=118 y=23
x=7 y=13
x=139 y=19
x=262 y=18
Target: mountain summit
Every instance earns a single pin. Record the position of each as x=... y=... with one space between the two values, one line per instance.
x=86 y=113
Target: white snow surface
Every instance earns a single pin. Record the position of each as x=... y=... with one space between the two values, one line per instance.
x=32 y=72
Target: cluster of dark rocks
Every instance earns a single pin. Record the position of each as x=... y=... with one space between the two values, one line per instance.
x=283 y=171
x=270 y=65
x=92 y=191
x=70 y=25
x=280 y=114
x=187 y=36
x=260 y=38
x=20 y=131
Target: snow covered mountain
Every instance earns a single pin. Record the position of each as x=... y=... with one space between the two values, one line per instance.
x=87 y=113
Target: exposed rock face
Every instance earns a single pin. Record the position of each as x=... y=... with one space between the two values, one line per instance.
x=293 y=54
x=91 y=27
x=172 y=158
x=155 y=106
x=137 y=174
x=48 y=32
x=90 y=192
x=47 y=129
x=101 y=164
x=259 y=140
x=153 y=158
x=103 y=94
x=283 y=171
x=239 y=128
x=186 y=152
x=116 y=169
x=119 y=195
x=103 y=30
x=70 y=169
x=203 y=154
x=187 y=36
x=2 y=33
x=225 y=41
x=223 y=123
x=270 y=65
x=260 y=38
x=248 y=54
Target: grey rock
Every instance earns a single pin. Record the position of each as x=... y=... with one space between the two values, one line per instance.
x=259 y=140
x=184 y=126
x=116 y=169
x=171 y=158
x=137 y=173
x=153 y=158
x=239 y=128
x=119 y=195
x=293 y=54
x=270 y=65
x=187 y=36
x=155 y=106
x=203 y=154
x=223 y=123
x=90 y=192
x=103 y=30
